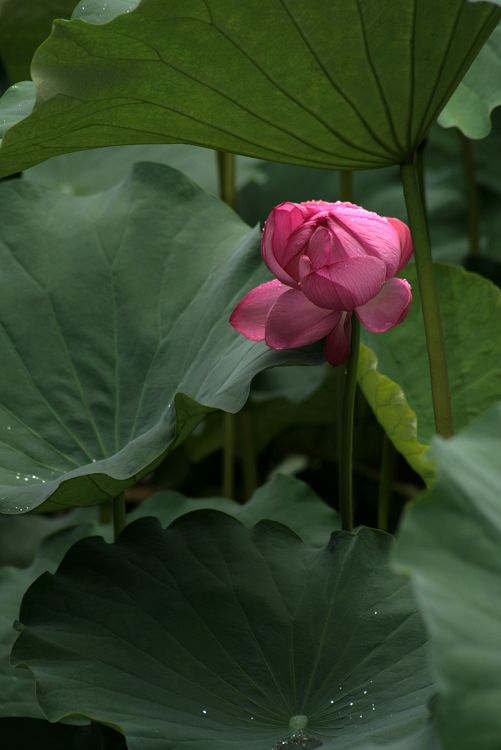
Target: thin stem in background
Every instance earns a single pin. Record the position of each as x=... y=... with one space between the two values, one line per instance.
x=226 y=171
x=346 y=185
x=119 y=516
x=228 y=455
x=471 y=194
x=422 y=173
x=105 y=512
x=249 y=467
x=346 y=453
x=435 y=342
x=388 y=463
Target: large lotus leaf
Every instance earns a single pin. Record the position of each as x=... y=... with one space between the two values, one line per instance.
x=284 y=499
x=209 y=635
x=114 y=331
x=394 y=377
x=470 y=106
x=23 y=26
x=449 y=544
x=322 y=84
x=86 y=172
x=17 y=687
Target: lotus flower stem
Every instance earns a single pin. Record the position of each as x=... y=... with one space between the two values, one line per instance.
x=471 y=194
x=388 y=462
x=346 y=195
x=347 y=415
x=440 y=390
x=119 y=516
x=226 y=171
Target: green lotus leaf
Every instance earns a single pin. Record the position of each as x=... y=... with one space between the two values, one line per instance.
x=320 y=85
x=449 y=544
x=16 y=104
x=267 y=632
x=393 y=372
x=114 y=331
x=284 y=499
x=470 y=106
x=17 y=686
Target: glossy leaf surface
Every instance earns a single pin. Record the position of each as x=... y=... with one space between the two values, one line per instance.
x=115 y=333
x=321 y=85
x=396 y=381
x=449 y=545
x=265 y=629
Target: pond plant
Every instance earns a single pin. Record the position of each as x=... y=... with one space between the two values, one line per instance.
x=250 y=385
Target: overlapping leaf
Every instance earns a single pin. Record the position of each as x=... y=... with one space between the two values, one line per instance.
x=114 y=331
x=323 y=85
x=449 y=545
x=394 y=374
x=470 y=106
x=265 y=629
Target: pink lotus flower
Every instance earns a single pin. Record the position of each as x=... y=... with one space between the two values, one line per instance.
x=330 y=260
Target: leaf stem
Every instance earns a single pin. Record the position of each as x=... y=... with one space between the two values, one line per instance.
x=435 y=342
x=226 y=171
x=119 y=516
x=249 y=463
x=388 y=462
x=228 y=455
x=346 y=185
x=471 y=195
x=347 y=418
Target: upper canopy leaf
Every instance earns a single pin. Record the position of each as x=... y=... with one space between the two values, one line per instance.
x=343 y=84
x=114 y=331
x=265 y=629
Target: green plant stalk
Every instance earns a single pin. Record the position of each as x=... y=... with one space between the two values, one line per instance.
x=346 y=195
x=249 y=467
x=119 y=516
x=440 y=390
x=347 y=418
x=388 y=463
x=471 y=195
x=228 y=455
x=346 y=185
x=105 y=512
x=226 y=172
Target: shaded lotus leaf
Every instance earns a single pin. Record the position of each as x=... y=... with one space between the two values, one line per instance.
x=17 y=686
x=449 y=545
x=267 y=631
x=319 y=85
x=284 y=499
x=96 y=170
x=393 y=373
x=114 y=332
x=470 y=106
